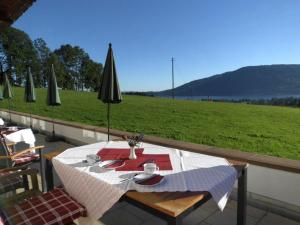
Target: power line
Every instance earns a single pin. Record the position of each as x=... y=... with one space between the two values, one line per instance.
x=173 y=94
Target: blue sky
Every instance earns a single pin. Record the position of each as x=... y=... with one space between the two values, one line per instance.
x=205 y=37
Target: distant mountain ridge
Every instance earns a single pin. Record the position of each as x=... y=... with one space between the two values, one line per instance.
x=281 y=79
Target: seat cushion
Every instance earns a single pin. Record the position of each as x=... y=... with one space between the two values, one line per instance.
x=52 y=208
x=26 y=158
x=10 y=184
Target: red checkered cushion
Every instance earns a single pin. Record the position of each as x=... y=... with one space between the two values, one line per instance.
x=52 y=208
x=26 y=158
x=11 y=183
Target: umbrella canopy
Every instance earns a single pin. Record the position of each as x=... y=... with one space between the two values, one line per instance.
x=7 y=91
x=52 y=94
x=29 y=88
x=109 y=91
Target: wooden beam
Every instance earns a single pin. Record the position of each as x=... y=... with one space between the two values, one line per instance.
x=4 y=18
x=10 y=11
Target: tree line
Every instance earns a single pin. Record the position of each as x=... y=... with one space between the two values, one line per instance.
x=74 y=69
x=289 y=101
x=284 y=101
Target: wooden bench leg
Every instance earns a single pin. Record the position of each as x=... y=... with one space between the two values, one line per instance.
x=49 y=175
x=242 y=198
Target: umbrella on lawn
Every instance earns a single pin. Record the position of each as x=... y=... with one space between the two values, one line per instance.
x=53 y=99
x=29 y=95
x=7 y=94
x=109 y=91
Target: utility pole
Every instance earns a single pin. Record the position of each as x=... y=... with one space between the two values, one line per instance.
x=173 y=95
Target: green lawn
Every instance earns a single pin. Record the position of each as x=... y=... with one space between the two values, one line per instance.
x=263 y=129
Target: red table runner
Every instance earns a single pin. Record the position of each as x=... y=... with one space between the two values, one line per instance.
x=117 y=153
x=162 y=160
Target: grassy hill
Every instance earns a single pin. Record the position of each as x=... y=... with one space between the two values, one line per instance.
x=263 y=129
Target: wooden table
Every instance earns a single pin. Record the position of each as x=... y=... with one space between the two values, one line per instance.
x=172 y=206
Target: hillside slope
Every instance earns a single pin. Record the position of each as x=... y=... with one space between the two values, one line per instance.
x=247 y=81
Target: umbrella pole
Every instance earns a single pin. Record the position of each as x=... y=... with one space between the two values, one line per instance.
x=9 y=105
x=31 y=121
x=53 y=137
x=108 y=125
x=30 y=116
x=53 y=131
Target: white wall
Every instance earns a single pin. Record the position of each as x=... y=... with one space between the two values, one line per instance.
x=271 y=183
x=276 y=184
x=81 y=135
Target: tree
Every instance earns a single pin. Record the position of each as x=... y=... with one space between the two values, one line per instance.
x=43 y=54
x=84 y=72
x=91 y=72
x=17 y=51
x=72 y=58
x=73 y=67
x=63 y=79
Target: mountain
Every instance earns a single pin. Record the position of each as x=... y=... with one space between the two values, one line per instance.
x=270 y=80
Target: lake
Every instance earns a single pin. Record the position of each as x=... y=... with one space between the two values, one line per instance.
x=233 y=98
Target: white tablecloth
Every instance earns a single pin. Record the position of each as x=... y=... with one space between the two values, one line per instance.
x=99 y=190
x=24 y=135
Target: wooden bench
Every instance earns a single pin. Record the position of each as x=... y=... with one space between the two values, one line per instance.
x=33 y=207
x=174 y=206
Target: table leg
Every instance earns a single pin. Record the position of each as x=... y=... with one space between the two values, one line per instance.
x=175 y=221
x=49 y=175
x=242 y=198
x=25 y=182
x=42 y=170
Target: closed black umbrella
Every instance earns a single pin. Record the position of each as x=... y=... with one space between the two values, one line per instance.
x=53 y=98
x=29 y=95
x=7 y=94
x=109 y=91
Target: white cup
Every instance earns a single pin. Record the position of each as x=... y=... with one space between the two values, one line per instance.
x=92 y=159
x=12 y=128
x=150 y=168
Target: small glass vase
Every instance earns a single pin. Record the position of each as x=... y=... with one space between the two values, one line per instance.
x=132 y=153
